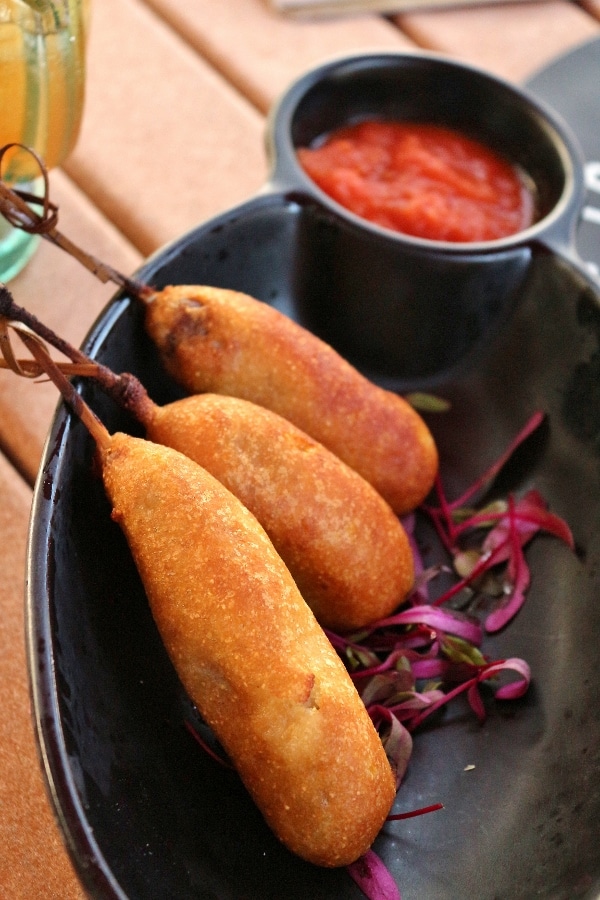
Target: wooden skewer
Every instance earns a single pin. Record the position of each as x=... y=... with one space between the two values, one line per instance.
x=96 y=428
x=29 y=368
x=16 y=207
x=125 y=388
x=43 y=362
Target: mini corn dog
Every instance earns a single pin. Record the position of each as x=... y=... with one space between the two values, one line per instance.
x=228 y=343
x=250 y=653
x=344 y=546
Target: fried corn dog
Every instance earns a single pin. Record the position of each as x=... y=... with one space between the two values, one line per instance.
x=344 y=546
x=250 y=653
x=226 y=342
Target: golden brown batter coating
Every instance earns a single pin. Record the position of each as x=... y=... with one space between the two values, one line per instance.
x=343 y=544
x=250 y=653
x=228 y=343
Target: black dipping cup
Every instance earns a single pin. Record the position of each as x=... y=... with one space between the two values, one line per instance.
x=401 y=307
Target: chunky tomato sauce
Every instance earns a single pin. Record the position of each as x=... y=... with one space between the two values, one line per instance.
x=422 y=180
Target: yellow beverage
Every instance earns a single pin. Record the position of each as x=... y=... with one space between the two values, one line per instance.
x=42 y=69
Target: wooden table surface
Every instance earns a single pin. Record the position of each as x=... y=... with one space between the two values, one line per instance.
x=173 y=133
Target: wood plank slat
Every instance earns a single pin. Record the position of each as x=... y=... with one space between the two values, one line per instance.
x=261 y=51
x=166 y=142
x=510 y=45
x=33 y=861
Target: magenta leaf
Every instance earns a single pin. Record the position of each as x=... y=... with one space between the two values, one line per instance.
x=528 y=516
x=397 y=660
x=442 y=701
x=475 y=701
x=518 y=578
x=388 y=687
x=407 y=709
x=533 y=509
x=373 y=878
x=420 y=592
x=445 y=620
x=513 y=689
x=398 y=747
x=488 y=476
x=395 y=817
x=430 y=668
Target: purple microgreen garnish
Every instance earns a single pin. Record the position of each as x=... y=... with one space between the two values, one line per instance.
x=420 y=594
x=409 y=665
x=516 y=688
x=517 y=580
x=370 y=872
x=397 y=743
x=446 y=621
x=470 y=686
x=373 y=878
x=488 y=476
x=508 y=526
x=396 y=817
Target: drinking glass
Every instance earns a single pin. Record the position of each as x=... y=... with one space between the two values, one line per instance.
x=42 y=69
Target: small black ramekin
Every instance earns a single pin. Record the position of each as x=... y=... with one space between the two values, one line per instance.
x=400 y=306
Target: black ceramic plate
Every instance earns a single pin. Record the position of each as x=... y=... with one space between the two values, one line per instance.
x=147 y=814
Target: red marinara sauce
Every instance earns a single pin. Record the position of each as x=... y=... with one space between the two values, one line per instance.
x=420 y=179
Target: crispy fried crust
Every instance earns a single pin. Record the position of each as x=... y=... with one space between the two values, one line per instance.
x=343 y=544
x=250 y=654
x=228 y=343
